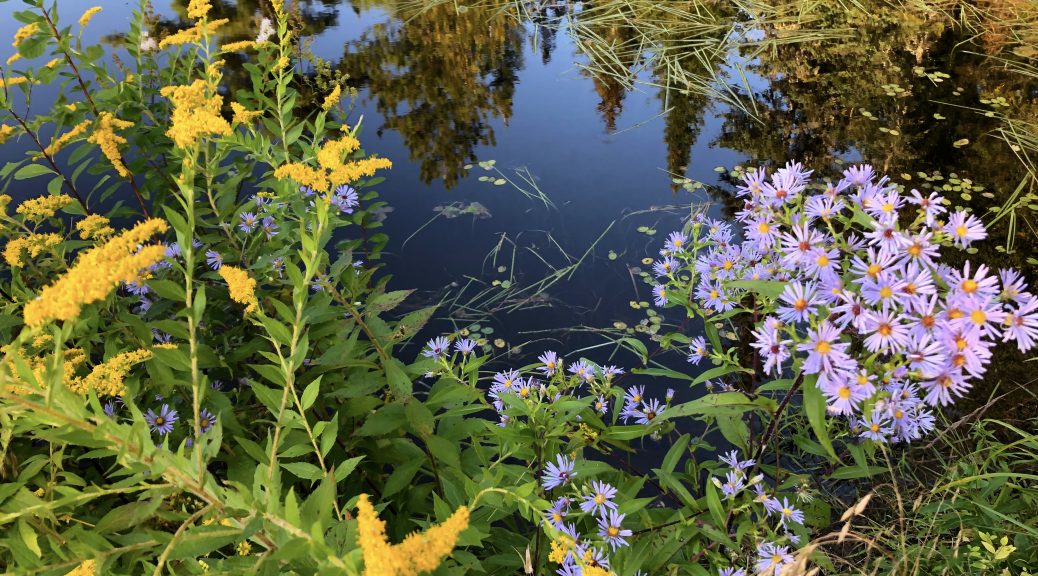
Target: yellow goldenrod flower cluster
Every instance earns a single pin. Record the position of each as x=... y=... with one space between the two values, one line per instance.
x=38 y=366
x=34 y=244
x=108 y=141
x=87 y=568
x=560 y=549
x=244 y=548
x=5 y=132
x=281 y=64
x=97 y=272
x=52 y=63
x=106 y=379
x=4 y=201
x=242 y=115
x=197 y=9
x=596 y=571
x=193 y=34
x=419 y=552
x=61 y=141
x=24 y=33
x=90 y=13
x=333 y=169
x=241 y=286
x=14 y=58
x=43 y=207
x=332 y=99
x=42 y=340
x=13 y=81
x=194 y=114
x=94 y=227
x=237 y=46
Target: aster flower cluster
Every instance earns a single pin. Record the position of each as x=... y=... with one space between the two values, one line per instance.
x=849 y=281
x=751 y=495
x=595 y=505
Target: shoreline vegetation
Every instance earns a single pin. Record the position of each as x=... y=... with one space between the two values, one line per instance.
x=206 y=368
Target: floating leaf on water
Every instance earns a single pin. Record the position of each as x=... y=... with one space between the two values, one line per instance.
x=488 y=330
x=495 y=283
x=501 y=269
x=937 y=116
x=720 y=169
x=612 y=255
x=484 y=178
x=506 y=284
x=967 y=196
x=620 y=325
x=499 y=182
x=906 y=176
x=643 y=229
x=467 y=166
x=646 y=261
x=499 y=343
x=961 y=142
x=475 y=327
x=634 y=304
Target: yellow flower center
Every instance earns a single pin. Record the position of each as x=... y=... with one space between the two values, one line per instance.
x=600 y=499
x=915 y=250
x=955 y=313
x=764 y=227
x=969 y=286
x=800 y=305
x=728 y=265
x=862 y=379
x=874 y=427
x=714 y=294
x=823 y=260
x=978 y=317
x=844 y=392
x=613 y=531
x=823 y=347
x=961 y=231
x=886 y=292
x=884 y=330
x=874 y=270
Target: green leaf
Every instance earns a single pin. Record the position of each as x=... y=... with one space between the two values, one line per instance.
x=310 y=394
x=814 y=405
x=852 y=472
x=32 y=171
x=674 y=454
x=713 y=502
x=767 y=288
x=388 y=301
x=304 y=470
x=345 y=468
x=725 y=403
x=719 y=371
x=398 y=380
x=662 y=372
x=127 y=516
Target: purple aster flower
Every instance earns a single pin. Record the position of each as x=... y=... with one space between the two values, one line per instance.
x=697 y=350
x=609 y=529
x=436 y=347
x=675 y=242
x=112 y=407
x=173 y=250
x=859 y=175
x=635 y=395
x=665 y=267
x=560 y=475
x=1021 y=325
x=920 y=250
x=931 y=205
x=886 y=290
x=206 y=420
x=650 y=410
x=248 y=222
x=796 y=245
x=965 y=228
x=137 y=289
x=556 y=515
x=924 y=355
x=270 y=227
x=886 y=236
x=979 y=283
x=214 y=259
x=582 y=369
x=823 y=207
x=787 y=513
x=713 y=296
x=771 y=559
x=506 y=381
x=1014 y=287
x=601 y=405
x=600 y=499
x=825 y=351
x=670 y=395
x=733 y=462
x=942 y=386
x=659 y=295
x=278 y=265
x=885 y=332
x=798 y=302
x=465 y=346
x=732 y=572
x=551 y=363
x=307 y=191
x=610 y=372
x=161 y=422
x=732 y=485
x=763 y=231
x=771 y=347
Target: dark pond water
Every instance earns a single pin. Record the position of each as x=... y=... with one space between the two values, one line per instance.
x=441 y=90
